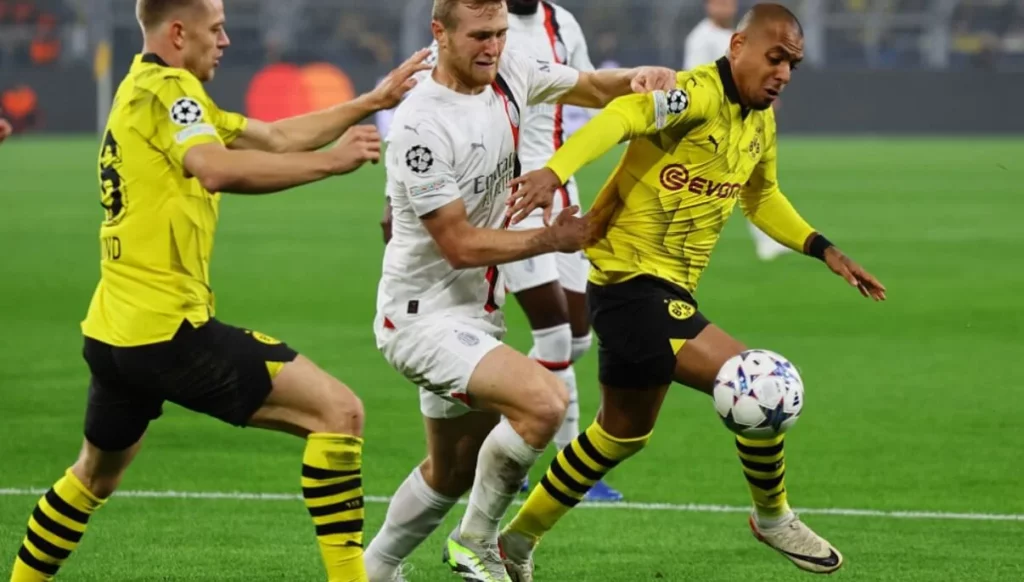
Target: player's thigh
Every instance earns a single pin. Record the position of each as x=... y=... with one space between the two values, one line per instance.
x=641 y=324
x=453 y=445
x=699 y=359
x=534 y=282
x=229 y=373
x=304 y=399
x=438 y=355
x=520 y=389
x=545 y=305
x=121 y=402
x=572 y=276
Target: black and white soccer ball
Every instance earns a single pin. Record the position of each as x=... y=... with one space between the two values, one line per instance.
x=186 y=111
x=678 y=101
x=419 y=159
x=758 y=394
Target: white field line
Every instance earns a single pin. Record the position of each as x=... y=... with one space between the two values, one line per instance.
x=684 y=507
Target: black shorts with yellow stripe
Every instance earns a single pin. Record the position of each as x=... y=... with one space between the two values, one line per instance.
x=215 y=369
x=640 y=325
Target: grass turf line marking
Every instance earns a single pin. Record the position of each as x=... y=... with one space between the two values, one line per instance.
x=685 y=507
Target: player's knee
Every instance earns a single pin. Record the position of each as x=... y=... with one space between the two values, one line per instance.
x=552 y=346
x=341 y=412
x=580 y=346
x=548 y=403
x=100 y=476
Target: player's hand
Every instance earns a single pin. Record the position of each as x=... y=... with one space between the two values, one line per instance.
x=5 y=129
x=358 y=145
x=648 y=79
x=570 y=233
x=530 y=191
x=854 y=274
x=385 y=222
x=400 y=81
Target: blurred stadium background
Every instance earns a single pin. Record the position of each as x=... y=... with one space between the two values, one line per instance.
x=288 y=56
x=901 y=139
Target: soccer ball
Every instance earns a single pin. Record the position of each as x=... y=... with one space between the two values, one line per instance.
x=759 y=394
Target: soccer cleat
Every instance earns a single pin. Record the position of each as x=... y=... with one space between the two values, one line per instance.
x=474 y=561
x=800 y=544
x=517 y=551
x=601 y=492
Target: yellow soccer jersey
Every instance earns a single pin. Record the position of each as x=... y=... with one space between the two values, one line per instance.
x=157 y=234
x=694 y=152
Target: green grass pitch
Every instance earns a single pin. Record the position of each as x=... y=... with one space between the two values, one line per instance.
x=912 y=405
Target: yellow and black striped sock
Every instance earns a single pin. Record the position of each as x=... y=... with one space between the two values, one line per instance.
x=54 y=530
x=573 y=472
x=332 y=487
x=764 y=466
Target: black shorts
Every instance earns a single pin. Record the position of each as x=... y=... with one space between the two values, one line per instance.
x=215 y=369
x=636 y=323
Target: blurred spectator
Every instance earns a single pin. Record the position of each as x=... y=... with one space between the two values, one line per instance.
x=709 y=40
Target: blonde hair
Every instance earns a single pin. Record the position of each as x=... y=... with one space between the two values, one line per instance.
x=444 y=10
x=153 y=13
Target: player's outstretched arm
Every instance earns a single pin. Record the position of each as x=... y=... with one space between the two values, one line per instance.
x=314 y=130
x=596 y=89
x=465 y=246
x=625 y=118
x=220 y=169
x=768 y=208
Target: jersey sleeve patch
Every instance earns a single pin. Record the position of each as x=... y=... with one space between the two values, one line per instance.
x=675 y=102
x=678 y=101
x=432 y=186
x=193 y=131
x=186 y=111
x=419 y=159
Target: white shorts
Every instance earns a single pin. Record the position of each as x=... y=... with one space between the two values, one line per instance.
x=439 y=354
x=568 y=269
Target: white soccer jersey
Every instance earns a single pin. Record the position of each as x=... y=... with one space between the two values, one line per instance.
x=551 y=34
x=707 y=42
x=443 y=146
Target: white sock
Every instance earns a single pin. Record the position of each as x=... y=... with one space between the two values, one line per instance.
x=570 y=428
x=553 y=347
x=504 y=461
x=414 y=513
x=580 y=346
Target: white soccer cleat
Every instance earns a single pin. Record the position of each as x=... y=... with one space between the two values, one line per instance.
x=800 y=544
x=517 y=552
x=474 y=560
